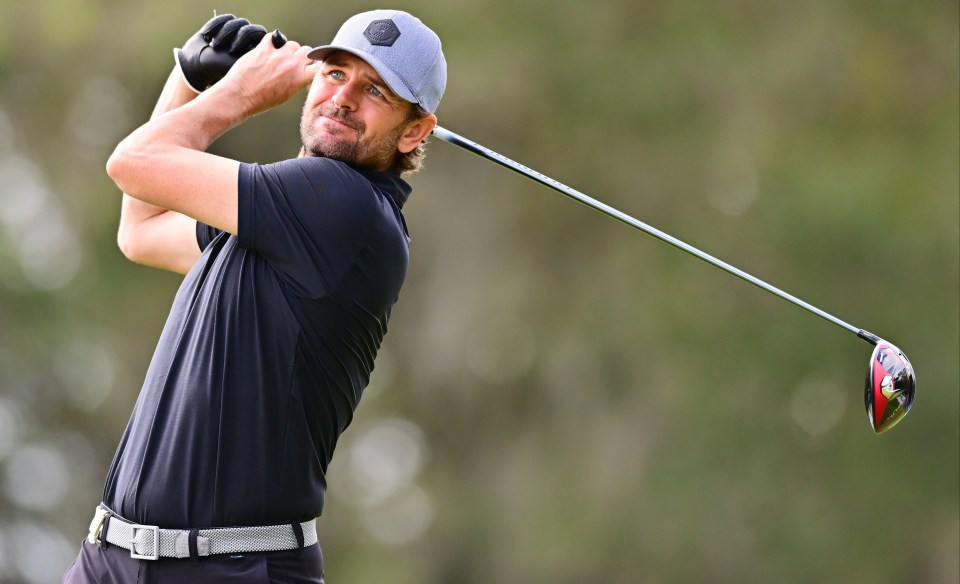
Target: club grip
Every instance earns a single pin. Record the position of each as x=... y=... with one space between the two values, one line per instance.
x=278 y=38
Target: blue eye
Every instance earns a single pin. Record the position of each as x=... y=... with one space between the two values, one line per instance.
x=376 y=92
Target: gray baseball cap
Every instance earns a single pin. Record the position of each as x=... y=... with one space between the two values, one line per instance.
x=403 y=50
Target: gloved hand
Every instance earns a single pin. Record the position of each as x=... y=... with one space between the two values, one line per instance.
x=207 y=56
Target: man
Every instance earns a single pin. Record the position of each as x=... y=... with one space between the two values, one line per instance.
x=291 y=272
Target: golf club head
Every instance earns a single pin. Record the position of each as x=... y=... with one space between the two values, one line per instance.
x=890 y=387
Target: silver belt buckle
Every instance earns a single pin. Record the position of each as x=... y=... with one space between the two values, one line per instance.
x=93 y=535
x=156 y=542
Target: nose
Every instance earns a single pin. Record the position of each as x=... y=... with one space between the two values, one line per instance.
x=345 y=97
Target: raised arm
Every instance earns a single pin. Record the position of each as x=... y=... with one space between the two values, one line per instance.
x=152 y=235
x=170 y=181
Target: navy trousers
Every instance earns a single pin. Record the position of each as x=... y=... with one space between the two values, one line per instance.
x=113 y=565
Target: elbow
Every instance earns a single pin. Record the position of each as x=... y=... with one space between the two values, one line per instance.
x=132 y=248
x=116 y=167
x=133 y=242
x=130 y=239
x=127 y=244
x=126 y=234
x=122 y=168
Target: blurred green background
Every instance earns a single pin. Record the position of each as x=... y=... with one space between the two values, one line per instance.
x=560 y=399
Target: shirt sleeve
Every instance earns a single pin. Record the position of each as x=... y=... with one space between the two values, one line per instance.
x=307 y=217
x=206 y=234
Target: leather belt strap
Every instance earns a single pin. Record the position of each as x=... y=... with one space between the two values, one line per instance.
x=149 y=542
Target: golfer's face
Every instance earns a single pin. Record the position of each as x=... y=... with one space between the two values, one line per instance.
x=351 y=115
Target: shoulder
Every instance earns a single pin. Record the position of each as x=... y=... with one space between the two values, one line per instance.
x=318 y=180
x=320 y=194
x=311 y=168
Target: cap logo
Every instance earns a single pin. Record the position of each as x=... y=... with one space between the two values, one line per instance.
x=382 y=33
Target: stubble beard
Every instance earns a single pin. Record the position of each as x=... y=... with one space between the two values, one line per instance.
x=357 y=150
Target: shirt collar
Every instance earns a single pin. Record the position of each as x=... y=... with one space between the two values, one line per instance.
x=398 y=189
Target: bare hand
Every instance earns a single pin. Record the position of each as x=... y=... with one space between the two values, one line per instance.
x=268 y=76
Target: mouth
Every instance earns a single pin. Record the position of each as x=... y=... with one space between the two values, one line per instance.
x=335 y=120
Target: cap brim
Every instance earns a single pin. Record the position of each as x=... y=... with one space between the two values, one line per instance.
x=392 y=80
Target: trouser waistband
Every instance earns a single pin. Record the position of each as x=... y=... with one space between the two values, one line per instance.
x=150 y=542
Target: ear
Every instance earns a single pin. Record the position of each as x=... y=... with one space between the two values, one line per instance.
x=416 y=132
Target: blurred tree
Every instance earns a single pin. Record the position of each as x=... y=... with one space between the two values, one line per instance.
x=560 y=399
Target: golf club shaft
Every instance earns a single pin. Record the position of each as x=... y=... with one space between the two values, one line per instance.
x=458 y=140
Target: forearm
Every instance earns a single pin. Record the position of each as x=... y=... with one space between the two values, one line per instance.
x=170 y=181
x=188 y=124
x=152 y=235
x=175 y=94
x=156 y=160
x=164 y=163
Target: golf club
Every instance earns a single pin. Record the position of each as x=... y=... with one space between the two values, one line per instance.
x=890 y=383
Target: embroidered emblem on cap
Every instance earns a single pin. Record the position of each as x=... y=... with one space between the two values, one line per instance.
x=382 y=33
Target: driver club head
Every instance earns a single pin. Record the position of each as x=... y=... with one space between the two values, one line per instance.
x=890 y=387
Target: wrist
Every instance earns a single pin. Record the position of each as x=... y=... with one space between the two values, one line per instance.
x=183 y=76
x=217 y=110
x=175 y=94
x=230 y=99
x=182 y=92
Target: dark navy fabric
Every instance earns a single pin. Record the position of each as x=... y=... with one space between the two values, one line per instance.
x=268 y=347
x=113 y=565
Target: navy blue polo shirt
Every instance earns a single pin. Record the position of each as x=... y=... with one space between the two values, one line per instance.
x=267 y=349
